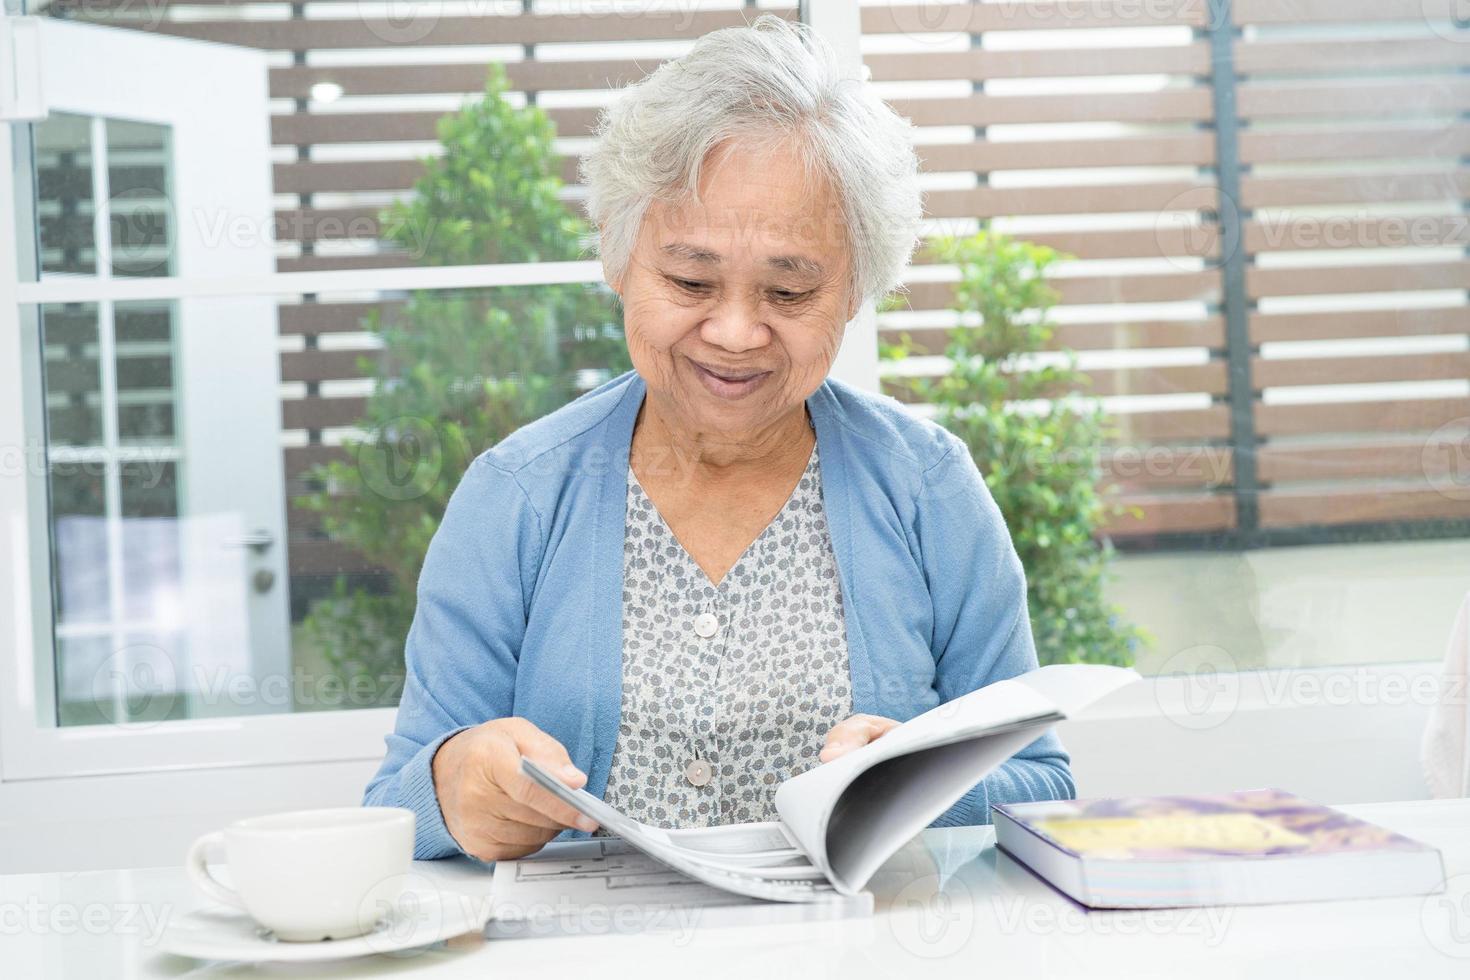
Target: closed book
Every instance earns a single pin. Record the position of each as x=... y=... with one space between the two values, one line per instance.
x=1247 y=848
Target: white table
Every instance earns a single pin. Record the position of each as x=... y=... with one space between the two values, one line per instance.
x=949 y=904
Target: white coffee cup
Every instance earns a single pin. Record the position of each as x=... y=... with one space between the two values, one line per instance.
x=311 y=874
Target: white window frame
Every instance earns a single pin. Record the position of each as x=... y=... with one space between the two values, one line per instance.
x=33 y=747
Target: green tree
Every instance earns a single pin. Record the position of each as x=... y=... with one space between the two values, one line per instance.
x=458 y=370
x=1037 y=445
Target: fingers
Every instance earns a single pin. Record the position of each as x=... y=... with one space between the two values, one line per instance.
x=507 y=829
x=494 y=838
x=493 y=811
x=525 y=799
x=854 y=733
x=496 y=831
x=536 y=744
x=520 y=812
x=530 y=801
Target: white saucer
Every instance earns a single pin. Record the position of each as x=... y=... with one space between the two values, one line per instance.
x=419 y=918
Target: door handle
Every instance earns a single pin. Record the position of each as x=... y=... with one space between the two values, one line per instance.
x=258 y=541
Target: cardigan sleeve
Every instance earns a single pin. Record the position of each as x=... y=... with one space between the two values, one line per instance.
x=463 y=645
x=982 y=630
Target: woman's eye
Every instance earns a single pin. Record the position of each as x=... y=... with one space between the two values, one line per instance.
x=690 y=285
x=787 y=296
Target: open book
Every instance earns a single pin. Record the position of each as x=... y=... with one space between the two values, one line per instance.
x=841 y=820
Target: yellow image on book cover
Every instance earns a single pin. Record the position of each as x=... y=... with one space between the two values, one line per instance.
x=1249 y=847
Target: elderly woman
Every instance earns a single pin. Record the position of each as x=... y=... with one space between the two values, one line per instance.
x=721 y=568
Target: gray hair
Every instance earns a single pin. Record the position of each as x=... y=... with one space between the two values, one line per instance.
x=770 y=81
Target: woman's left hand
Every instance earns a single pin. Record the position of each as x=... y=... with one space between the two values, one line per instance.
x=854 y=733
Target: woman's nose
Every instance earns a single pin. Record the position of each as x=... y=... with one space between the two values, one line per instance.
x=736 y=325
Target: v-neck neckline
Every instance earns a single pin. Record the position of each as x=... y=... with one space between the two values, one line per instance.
x=841 y=465
x=813 y=463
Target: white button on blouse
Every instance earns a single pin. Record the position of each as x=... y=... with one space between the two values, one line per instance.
x=698 y=772
x=729 y=688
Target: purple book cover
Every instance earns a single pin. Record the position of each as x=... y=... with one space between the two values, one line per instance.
x=1259 y=823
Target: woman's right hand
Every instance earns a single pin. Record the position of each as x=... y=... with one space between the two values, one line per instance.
x=493 y=810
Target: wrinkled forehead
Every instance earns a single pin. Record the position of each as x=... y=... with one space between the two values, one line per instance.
x=756 y=202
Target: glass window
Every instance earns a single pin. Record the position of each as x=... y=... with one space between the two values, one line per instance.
x=1258 y=277
x=158 y=576
x=138 y=208
x=1238 y=422
x=114 y=482
x=242 y=489
x=144 y=340
x=65 y=190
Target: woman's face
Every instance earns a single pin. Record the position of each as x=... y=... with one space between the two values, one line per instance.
x=734 y=308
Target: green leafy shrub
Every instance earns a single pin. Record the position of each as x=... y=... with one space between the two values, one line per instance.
x=458 y=370
x=1037 y=445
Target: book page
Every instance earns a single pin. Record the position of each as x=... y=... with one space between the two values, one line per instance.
x=796 y=883
x=892 y=801
x=844 y=818
x=850 y=815
x=746 y=845
x=603 y=885
x=740 y=838
x=1072 y=688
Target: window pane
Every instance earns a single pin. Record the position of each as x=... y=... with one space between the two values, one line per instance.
x=1281 y=361
x=79 y=536
x=145 y=373
x=386 y=401
x=203 y=422
x=351 y=128
x=139 y=182
x=104 y=681
x=73 y=375
x=177 y=596
x=150 y=541
x=64 y=189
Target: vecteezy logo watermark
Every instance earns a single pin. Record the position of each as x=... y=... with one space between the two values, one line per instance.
x=1305 y=229
x=147 y=466
x=1199 y=224
x=517 y=919
x=1199 y=687
x=1445 y=918
x=142 y=224
x=137 y=14
x=1053 y=917
x=35 y=917
x=931 y=21
x=1445 y=459
x=139 y=684
x=409 y=21
x=404 y=914
x=401 y=21
x=402 y=459
x=932 y=920
x=1449 y=19
x=936 y=21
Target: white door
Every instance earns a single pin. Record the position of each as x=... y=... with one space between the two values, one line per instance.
x=166 y=510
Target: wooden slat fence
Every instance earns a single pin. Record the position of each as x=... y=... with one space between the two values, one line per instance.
x=1321 y=392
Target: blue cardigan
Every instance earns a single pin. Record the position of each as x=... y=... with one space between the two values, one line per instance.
x=520 y=599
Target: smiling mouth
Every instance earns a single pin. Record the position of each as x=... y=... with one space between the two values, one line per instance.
x=729 y=384
x=734 y=377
